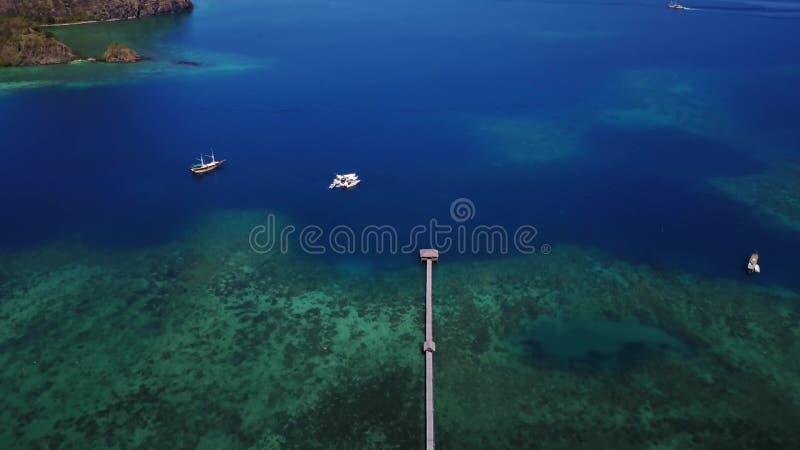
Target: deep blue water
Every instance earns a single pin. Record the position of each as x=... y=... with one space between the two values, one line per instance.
x=381 y=88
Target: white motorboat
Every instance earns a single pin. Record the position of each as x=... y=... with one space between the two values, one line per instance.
x=752 y=264
x=346 y=181
x=351 y=184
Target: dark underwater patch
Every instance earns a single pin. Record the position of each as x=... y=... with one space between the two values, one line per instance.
x=588 y=345
x=388 y=405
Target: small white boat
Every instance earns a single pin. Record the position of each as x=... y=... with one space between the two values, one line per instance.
x=346 y=181
x=674 y=5
x=752 y=264
x=351 y=184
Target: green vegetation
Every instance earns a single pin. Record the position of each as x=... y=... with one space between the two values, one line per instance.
x=22 y=43
x=48 y=11
x=120 y=53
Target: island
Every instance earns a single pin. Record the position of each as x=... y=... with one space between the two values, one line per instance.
x=119 y=53
x=24 y=40
x=23 y=44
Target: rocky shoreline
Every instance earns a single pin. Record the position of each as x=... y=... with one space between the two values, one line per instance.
x=118 y=53
x=60 y=11
x=25 y=42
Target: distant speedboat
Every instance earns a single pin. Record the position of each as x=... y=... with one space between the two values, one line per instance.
x=676 y=6
x=205 y=167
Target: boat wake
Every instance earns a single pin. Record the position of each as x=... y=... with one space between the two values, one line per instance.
x=764 y=8
x=774 y=9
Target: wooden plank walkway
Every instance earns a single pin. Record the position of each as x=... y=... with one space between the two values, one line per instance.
x=430 y=256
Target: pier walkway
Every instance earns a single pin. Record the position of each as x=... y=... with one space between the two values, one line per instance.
x=429 y=256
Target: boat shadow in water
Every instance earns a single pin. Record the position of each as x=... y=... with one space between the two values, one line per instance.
x=213 y=177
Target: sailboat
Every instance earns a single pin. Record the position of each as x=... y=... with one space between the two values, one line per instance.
x=205 y=167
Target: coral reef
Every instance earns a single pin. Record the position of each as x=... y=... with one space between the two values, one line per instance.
x=201 y=343
x=527 y=140
x=704 y=362
x=775 y=193
x=668 y=99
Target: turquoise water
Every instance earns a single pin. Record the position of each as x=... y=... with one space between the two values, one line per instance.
x=652 y=150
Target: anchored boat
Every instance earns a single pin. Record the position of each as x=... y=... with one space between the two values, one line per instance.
x=346 y=181
x=205 y=167
x=752 y=264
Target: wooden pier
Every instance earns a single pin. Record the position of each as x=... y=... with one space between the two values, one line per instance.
x=429 y=256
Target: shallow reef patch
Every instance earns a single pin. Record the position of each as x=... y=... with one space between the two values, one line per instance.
x=774 y=192
x=527 y=140
x=183 y=345
x=685 y=101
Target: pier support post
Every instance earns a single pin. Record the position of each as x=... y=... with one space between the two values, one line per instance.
x=429 y=256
